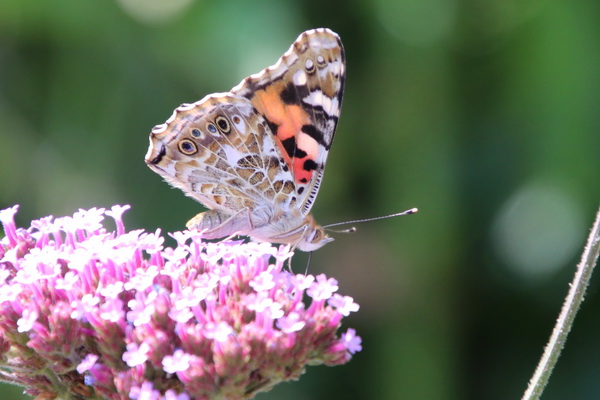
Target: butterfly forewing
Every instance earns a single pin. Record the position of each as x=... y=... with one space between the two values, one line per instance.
x=300 y=97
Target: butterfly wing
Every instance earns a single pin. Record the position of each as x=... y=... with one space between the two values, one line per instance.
x=255 y=156
x=220 y=152
x=300 y=97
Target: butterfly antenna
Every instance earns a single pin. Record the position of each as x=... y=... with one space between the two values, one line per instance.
x=349 y=230
x=356 y=221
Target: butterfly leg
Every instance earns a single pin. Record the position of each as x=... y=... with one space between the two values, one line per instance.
x=249 y=223
x=304 y=230
x=217 y=224
x=250 y=219
x=293 y=247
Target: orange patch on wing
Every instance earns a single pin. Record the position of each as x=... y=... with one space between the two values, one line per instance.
x=289 y=119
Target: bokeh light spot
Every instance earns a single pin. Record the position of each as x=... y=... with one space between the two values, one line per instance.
x=538 y=230
x=153 y=11
x=417 y=22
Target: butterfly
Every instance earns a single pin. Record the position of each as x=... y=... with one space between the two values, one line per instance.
x=255 y=156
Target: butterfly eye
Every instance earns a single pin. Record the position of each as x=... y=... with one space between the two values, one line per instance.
x=316 y=236
x=211 y=128
x=223 y=124
x=196 y=132
x=309 y=66
x=187 y=147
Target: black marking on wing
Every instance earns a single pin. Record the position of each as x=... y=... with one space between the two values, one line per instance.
x=314 y=133
x=319 y=111
x=289 y=94
x=291 y=149
x=313 y=193
x=160 y=155
x=293 y=94
x=309 y=165
x=272 y=126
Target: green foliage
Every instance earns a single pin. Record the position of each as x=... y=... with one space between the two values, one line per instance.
x=484 y=115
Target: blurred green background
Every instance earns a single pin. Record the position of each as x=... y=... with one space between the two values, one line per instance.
x=483 y=114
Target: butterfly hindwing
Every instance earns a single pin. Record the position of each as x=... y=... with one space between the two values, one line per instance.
x=219 y=151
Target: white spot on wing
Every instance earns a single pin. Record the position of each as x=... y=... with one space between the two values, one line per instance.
x=233 y=155
x=336 y=67
x=159 y=128
x=169 y=169
x=186 y=106
x=240 y=126
x=317 y=98
x=322 y=41
x=299 y=78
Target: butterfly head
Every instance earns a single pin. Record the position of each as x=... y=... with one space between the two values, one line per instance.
x=314 y=238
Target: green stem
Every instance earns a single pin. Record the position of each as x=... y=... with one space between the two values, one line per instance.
x=573 y=301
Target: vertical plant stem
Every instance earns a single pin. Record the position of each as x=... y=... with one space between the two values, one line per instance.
x=573 y=301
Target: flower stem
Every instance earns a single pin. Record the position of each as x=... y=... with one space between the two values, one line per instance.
x=573 y=301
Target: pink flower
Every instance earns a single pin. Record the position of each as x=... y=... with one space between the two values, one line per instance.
x=87 y=363
x=292 y=323
x=323 y=288
x=136 y=355
x=344 y=304
x=179 y=361
x=352 y=342
x=115 y=314
x=25 y=323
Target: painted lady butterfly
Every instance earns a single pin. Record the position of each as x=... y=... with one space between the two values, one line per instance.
x=255 y=155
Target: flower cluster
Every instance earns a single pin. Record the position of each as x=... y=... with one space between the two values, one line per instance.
x=88 y=313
